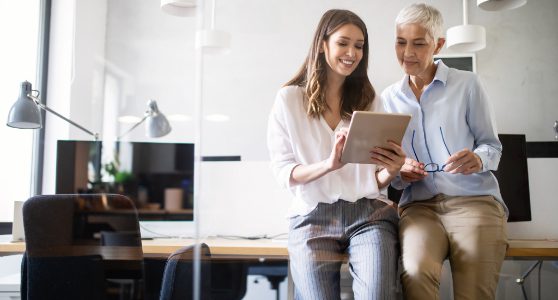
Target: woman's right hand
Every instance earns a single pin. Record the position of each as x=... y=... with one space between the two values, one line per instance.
x=412 y=170
x=303 y=174
x=333 y=162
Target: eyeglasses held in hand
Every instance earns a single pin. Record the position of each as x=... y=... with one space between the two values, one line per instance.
x=431 y=167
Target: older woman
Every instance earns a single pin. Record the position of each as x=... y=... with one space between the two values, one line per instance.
x=451 y=205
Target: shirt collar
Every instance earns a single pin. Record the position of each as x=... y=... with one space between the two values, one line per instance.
x=441 y=72
x=441 y=75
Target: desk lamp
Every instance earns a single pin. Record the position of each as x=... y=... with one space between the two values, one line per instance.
x=156 y=124
x=25 y=113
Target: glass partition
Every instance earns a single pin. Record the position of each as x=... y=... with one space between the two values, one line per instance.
x=121 y=54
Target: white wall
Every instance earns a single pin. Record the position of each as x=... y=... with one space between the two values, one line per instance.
x=153 y=54
x=75 y=75
x=543 y=190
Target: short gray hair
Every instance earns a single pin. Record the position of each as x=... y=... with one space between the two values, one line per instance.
x=425 y=15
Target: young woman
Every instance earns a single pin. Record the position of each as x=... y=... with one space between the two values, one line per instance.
x=337 y=210
x=451 y=205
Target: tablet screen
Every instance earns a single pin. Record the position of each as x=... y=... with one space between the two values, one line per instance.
x=372 y=129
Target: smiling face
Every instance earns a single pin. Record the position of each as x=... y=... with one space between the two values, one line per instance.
x=415 y=49
x=343 y=50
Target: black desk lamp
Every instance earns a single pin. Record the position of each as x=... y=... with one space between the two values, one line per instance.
x=25 y=113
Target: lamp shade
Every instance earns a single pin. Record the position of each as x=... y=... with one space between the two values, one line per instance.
x=466 y=38
x=25 y=113
x=213 y=41
x=493 y=5
x=181 y=8
x=156 y=124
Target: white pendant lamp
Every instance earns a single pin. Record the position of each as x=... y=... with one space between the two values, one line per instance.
x=181 y=8
x=466 y=37
x=213 y=41
x=494 y=5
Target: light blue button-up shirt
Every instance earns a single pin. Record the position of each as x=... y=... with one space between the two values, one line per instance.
x=453 y=114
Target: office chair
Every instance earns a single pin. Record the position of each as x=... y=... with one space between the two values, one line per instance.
x=219 y=279
x=63 y=277
x=63 y=246
x=129 y=286
x=228 y=279
x=178 y=274
x=49 y=268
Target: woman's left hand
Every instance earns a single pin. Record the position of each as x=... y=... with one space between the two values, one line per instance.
x=391 y=157
x=463 y=162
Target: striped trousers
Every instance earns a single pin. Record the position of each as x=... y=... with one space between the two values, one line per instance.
x=365 y=232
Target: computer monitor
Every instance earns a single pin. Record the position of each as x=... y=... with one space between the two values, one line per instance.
x=158 y=177
x=513 y=177
x=466 y=62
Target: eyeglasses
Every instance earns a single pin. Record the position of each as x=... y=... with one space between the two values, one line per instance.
x=431 y=167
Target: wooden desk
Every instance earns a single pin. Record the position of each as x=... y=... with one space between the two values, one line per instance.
x=221 y=247
x=271 y=250
x=268 y=249
x=533 y=249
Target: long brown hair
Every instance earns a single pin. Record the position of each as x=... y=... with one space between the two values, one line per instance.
x=357 y=93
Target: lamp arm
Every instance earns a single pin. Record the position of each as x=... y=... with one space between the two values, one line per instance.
x=133 y=127
x=38 y=102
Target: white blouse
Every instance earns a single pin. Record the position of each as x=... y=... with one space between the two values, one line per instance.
x=294 y=138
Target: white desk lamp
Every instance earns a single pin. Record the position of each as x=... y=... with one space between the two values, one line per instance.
x=156 y=124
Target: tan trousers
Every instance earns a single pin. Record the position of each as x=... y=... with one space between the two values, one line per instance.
x=470 y=231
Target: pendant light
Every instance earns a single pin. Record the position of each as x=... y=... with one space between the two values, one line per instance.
x=181 y=8
x=466 y=37
x=213 y=41
x=494 y=5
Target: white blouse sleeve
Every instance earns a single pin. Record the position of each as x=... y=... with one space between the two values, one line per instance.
x=279 y=142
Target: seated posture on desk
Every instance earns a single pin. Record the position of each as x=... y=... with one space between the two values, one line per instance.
x=451 y=205
x=336 y=211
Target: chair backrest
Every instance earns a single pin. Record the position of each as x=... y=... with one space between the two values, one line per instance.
x=47 y=222
x=54 y=221
x=99 y=232
x=228 y=279
x=116 y=238
x=178 y=275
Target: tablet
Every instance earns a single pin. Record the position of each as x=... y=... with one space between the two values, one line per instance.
x=372 y=129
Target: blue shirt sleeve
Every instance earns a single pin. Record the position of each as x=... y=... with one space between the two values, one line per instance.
x=480 y=118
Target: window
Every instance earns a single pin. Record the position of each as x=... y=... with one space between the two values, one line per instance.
x=19 y=29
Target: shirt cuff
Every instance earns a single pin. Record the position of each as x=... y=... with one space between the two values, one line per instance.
x=287 y=171
x=399 y=184
x=485 y=160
